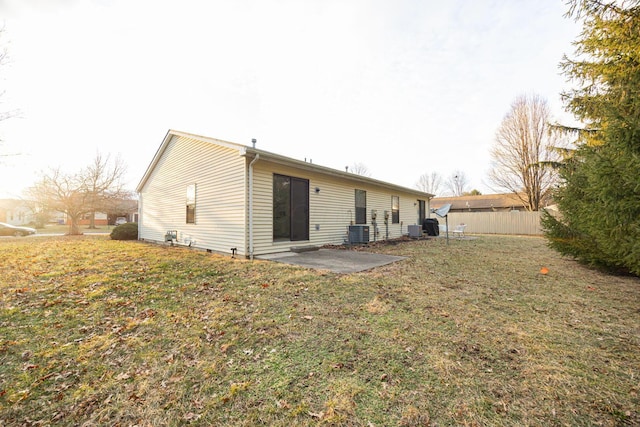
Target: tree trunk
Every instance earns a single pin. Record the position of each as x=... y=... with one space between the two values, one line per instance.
x=92 y=221
x=74 y=227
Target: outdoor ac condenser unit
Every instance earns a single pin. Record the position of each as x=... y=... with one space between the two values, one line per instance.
x=415 y=231
x=358 y=234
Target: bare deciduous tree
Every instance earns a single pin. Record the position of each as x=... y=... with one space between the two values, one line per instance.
x=523 y=150
x=359 y=169
x=457 y=183
x=103 y=183
x=92 y=189
x=429 y=183
x=3 y=61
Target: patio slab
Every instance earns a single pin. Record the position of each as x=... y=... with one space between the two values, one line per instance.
x=335 y=260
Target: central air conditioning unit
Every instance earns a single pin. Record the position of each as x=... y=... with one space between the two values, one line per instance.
x=358 y=234
x=415 y=231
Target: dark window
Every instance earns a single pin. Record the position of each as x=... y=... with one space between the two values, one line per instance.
x=290 y=208
x=361 y=207
x=422 y=211
x=191 y=204
x=395 y=210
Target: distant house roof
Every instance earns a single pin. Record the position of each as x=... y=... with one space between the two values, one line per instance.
x=482 y=202
x=11 y=203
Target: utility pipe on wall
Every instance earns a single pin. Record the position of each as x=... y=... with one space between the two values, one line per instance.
x=251 y=205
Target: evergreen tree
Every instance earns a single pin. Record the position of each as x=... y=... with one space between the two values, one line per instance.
x=599 y=199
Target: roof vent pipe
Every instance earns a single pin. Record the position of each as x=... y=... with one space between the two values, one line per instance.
x=253 y=141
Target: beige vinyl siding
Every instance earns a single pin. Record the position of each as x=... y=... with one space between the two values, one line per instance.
x=262 y=209
x=409 y=211
x=219 y=175
x=331 y=209
x=380 y=200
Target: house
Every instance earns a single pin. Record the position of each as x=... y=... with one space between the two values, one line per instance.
x=231 y=198
x=118 y=208
x=16 y=212
x=127 y=209
x=481 y=203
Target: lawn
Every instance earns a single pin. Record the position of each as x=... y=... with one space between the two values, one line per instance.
x=101 y=332
x=64 y=229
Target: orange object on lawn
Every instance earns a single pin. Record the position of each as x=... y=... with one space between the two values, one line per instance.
x=544 y=270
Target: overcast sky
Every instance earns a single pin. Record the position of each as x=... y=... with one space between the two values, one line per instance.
x=405 y=87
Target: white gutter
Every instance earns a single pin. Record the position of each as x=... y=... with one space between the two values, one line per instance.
x=251 y=205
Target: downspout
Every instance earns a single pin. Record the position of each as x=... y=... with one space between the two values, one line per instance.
x=251 y=205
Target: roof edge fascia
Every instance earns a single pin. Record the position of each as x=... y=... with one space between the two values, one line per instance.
x=300 y=164
x=244 y=150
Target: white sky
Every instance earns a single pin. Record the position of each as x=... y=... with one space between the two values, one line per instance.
x=404 y=87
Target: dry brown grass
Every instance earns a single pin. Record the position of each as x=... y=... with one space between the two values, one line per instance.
x=99 y=332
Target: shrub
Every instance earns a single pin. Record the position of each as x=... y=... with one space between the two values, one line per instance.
x=128 y=231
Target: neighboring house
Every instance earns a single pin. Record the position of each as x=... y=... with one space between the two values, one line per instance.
x=481 y=203
x=100 y=218
x=127 y=209
x=227 y=197
x=15 y=212
x=20 y=212
x=57 y=217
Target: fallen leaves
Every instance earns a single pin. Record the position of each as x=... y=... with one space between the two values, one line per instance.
x=282 y=404
x=192 y=416
x=377 y=306
x=318 y=415
x=98 y=338
x=122 y=376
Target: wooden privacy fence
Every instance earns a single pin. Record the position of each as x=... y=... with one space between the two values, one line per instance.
x=514 y=222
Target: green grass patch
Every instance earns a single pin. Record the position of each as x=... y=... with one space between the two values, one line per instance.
x=102 y=332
